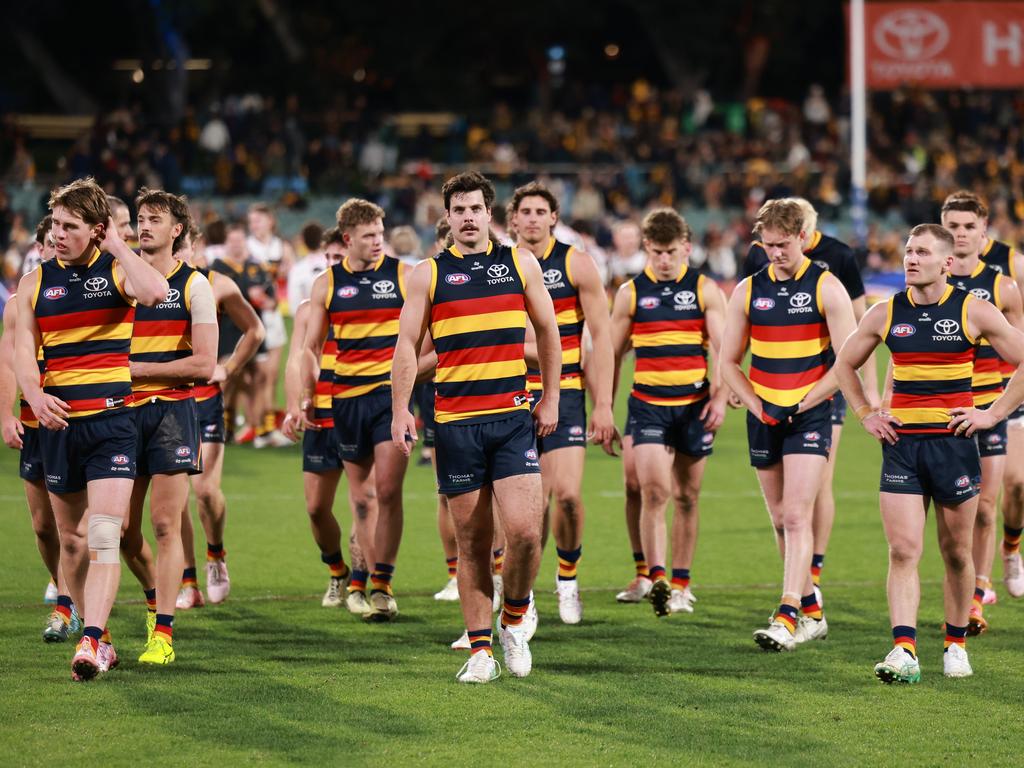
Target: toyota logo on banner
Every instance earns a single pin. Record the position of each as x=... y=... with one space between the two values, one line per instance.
x=497 y=270
x=911 y=34
x=946 y=327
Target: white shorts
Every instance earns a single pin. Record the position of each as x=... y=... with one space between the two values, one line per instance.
x=276 y=336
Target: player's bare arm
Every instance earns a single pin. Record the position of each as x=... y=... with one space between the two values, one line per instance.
x=412 y=327
x=313 y=342
x=199 y=366
x=713 y=413
x=854 y=351
x=142 y=282
x=233 y=304
x=735 y=337
x=599 y=362
x=11 y=426
x=838 y=311
x=541 y=312
x=621 y=324
x=51 y=411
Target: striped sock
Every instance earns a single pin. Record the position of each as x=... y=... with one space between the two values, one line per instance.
x=95 y=635
x=480 y=640
x=380 y=579
x=786 y=615
x=105 y=635
x=64 y=608
x=817 y=563
x=567 y=561
x=513 y=611
x=657 y=573
x=358 y=581
x=150 y=600
x=189 y=579
x=906 y=638
x=680 y=578
x=453 y=566
x=164 y=627
x=977 y=602
x=1011 y=539
x=641 y=564
x=809 y=607
x=269 y=422
x=215 y=552
x=955 y=636
x=499 y=560
x=336 y=564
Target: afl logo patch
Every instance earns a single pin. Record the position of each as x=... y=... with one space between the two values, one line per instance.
x=457 y=278
x=649 y=302
x=57 y=292
x=902 y=330
x=531 y=454
x=763 y=303
x=708 y=438
x=963 y=481
x=347 y=292
x=120 y=459
x=576 y=431
x=183 y=450
x=812 y=437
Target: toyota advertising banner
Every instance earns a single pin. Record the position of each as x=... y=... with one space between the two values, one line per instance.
x=944 y=44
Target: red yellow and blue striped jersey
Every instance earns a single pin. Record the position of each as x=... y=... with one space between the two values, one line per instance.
x=323 y=415
x=163 y=334
x=669 y=337
x=556 y=262
x=27 y=416
x=85 y=320
x=478 y=324
x=1000 y=257
x=364 y=308
x=987 y=378
x=933 y=360
x=790 y=347
x=203 y=391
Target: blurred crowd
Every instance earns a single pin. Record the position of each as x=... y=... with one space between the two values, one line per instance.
x=609 y=153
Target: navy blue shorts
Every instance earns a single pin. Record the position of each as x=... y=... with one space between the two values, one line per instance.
x=168 y=440
x=992 y=442
x=676 y=426
x=91 y=448
x=838 y=409
x=320 y=452
x=571 y=431
x=470 y=456
x=362 y=422
x=809 y=432
x=211 y=419
x=31 y=466
x=423 y=394
x=945 y=467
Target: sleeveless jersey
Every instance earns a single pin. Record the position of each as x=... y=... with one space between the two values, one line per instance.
x=669 y=337
x=364 y=309
x=323 y=415
x=933 y=360
x=1000 y=257
x=478 y=323
x=203 y=391
x=987 y=378
x=557 y=266
x=85 y=320
x=163 y=334
x=790 y=347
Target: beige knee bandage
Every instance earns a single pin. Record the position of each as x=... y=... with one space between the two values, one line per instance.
x=105 y=538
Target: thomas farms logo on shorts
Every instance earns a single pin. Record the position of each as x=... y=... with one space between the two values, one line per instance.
x=963 y=481
x=183 y=451
x=649 y=302
x=57 y=292
x=120 y=460
x=457 y=278
x=764 y=303
x=347 y=292
x=902 y=330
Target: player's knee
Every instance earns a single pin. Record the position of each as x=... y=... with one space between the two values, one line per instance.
x=569 y=501
x=904 y=552
x=43 y=525
x=796 y=517
x=166 y=528
x=360 y=507
x=686 y=501
x=986 y=515
x=105 y=538
x=654 y=494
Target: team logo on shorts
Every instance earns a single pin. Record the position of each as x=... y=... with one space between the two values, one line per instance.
x=763 y=303
x=812 y=437
x=457 y=278
x=963 y=481
x=649 y=302
x=347 y=292
x=120 y=459
x=57 y=292
x=531 y=454
x=183 y=451
x=902 y=330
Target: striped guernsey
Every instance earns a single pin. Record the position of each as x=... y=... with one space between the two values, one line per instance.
x=556 y=263
x=989 y=368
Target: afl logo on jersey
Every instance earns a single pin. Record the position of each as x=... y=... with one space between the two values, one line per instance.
x=764 y=303
x=347 y=291
x=457 y=278
x=649 y=302
x=902 y=330
x=57 y=292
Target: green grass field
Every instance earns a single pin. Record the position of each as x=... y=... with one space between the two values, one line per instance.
x=270 y=677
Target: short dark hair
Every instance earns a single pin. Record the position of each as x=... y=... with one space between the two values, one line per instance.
x=85 y=199
x=937 y=231
x=442 y=229
x=261 y=208
x=311 y=234
x=533 y=189
x=467 y=182
x=233 y=226
x=665 y=225
x=43 y=229
x=216 y=232
x=965 y=200
x=175 y=205
x=332 y=235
